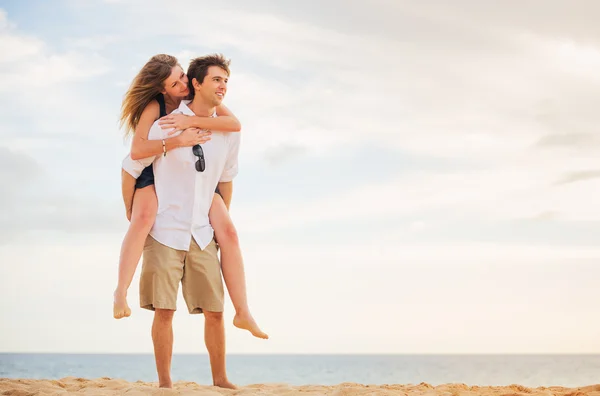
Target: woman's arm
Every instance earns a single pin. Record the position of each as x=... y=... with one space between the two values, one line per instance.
x=224 y=122
x=142 y=147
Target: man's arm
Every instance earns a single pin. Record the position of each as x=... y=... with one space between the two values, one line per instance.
x=230 y=170
x=127 y=189
x=226 y=190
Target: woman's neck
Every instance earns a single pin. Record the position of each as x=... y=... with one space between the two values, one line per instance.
x=171 y=103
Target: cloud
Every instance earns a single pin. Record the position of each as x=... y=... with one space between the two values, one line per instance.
x=493 y=195
x=392 y=100
x=301 y=87
x=27 y=63
x=16 y=169
x=15 y=47
x=467 y=89
x=45 y=71
x=31 y=202
x=546 y=216
x=5 y=24
x=278 y=155
x=579 y=176
x=48 y=97
x=97 y=42
x=477 y=88
x=569 y=140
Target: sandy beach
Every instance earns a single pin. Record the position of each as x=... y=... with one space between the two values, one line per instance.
x=108 y=386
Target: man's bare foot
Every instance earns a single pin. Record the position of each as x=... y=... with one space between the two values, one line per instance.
x=246 y=322
x=224 y=384
x=165 y=385
x=120 y=307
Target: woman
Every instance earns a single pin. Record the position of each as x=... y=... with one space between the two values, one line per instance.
x=156 y=91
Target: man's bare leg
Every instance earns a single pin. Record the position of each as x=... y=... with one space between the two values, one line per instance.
x=232 y=265
x=162 y=338
x=214 y=338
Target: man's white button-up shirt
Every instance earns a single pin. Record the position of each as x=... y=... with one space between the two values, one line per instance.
x=184 y=194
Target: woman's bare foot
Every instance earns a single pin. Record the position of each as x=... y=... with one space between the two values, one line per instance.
x=224 y=384
x=120 y=307
x=246 y=321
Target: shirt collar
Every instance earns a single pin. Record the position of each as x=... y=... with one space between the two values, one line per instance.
x=183 y=107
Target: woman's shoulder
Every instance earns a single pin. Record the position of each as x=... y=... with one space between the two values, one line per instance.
x=152 y=109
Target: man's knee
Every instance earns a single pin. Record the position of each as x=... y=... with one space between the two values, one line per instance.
x=164 y=315
x=213 y=317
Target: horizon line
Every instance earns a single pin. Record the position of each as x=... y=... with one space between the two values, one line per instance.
x=325 y=353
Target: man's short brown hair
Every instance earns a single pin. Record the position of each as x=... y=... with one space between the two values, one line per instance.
x=198 y=68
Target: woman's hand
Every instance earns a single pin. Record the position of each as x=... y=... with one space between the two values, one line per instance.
x=193 y=136
x=175 y=122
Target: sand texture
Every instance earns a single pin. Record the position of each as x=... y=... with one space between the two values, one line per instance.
x=108 y=386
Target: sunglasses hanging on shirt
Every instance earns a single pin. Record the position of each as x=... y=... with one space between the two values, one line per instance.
x=200 y=165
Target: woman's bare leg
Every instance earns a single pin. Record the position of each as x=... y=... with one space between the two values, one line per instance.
x=145 y=205
x=232 y=266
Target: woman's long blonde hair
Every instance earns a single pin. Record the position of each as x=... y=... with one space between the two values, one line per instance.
x=148 y=83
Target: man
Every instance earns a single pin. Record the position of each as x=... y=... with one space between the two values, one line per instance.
x=180 y=247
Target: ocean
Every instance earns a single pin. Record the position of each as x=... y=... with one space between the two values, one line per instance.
x=493 y=370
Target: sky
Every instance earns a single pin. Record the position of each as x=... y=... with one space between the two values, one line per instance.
x=415 y=177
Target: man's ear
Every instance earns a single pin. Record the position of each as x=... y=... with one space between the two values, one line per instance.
x=195 y=83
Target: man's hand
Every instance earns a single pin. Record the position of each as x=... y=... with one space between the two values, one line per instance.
x=176 y=122
x=193 y=136
x=128 y=214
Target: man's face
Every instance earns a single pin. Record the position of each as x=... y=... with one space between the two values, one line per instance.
x=214 y=86
x=176 y=85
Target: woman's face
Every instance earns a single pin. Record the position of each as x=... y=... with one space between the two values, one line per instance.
x=176 y=85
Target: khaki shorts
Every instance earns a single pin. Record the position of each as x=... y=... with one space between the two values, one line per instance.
x=199 y=271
